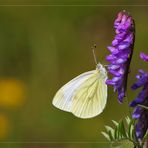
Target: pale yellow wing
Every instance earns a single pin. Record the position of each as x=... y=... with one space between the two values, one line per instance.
x=63 y=98
x=91 y=96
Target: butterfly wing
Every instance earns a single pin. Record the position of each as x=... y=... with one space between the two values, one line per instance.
x=90 y=98
x=63 y=98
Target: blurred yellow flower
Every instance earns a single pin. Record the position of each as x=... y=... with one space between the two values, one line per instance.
x=4 y=126
x=12 y=92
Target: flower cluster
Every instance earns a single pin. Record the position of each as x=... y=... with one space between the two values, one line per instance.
x=121 y=53
x=120 y=58
x=140 y=113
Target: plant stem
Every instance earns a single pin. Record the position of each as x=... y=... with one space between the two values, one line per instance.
x=143 y=106
x=128 y=105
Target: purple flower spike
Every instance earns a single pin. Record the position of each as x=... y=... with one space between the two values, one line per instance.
x=121 y=53
x=144 y=56
x=140 y=113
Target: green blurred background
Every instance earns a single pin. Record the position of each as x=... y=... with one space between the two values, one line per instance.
x=43 y=47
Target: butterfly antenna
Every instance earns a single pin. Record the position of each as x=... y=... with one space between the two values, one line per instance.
x=94 y=54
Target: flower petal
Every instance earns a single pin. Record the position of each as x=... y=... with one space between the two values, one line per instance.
x=144 y=56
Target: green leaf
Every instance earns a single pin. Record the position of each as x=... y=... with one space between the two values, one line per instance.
x=116 y=132
x=127 y=120
x=110 y=135
x=146 y=135
x=130 y=128
x=132 y=131
x=106 y=136
x=111 y=130
x=108 y=128
x=116 y=129
x=123 y=129
x=120 y=130
x=115 y=122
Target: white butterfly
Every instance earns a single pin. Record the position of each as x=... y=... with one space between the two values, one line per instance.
x=86 y=95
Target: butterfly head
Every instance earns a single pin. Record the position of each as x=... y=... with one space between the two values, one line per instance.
x=101 y=69
x=99 y=66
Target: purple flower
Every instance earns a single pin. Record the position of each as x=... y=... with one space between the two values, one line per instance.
x=140 y=113
x=121 y=53
x=144 y=56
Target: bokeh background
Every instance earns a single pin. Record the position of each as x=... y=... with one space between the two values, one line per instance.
x=43 y=47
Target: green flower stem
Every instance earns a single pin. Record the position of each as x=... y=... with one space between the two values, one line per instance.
x=145 y=107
